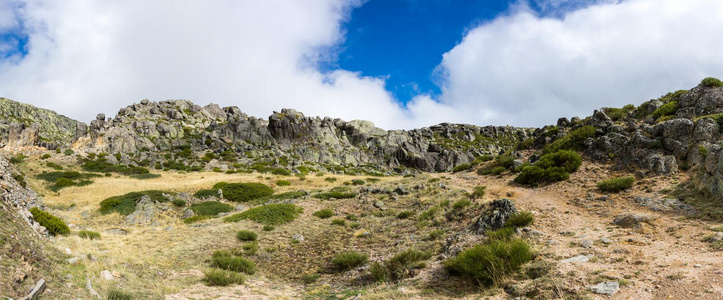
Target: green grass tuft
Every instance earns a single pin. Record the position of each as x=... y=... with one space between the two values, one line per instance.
x=114 y=294
x=616 y=184
x=236 y=264
x=246 y=235
x=520 y=219
x=210 y=208
x=215 y=277
x=55 y=225
x=87 y=234
x=349 y=260
x=270 y=214
x=324 y=213
x=126 y=204
x=491 y=262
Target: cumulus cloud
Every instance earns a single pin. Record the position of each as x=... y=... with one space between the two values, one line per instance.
x=87 y=57
x=523 y=69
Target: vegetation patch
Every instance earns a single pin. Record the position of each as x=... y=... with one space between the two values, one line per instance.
x=206 y=193
x=551 y=167
x=400 y=266
x=616 y=184
x=242 y=192
x=573 y=141
x=210 y=208
x=195 y=219
x=114 y=294
x=126 y=204
x=520 y=219
x=61 y=180
x=101 y=165
x=491 y=262
x=349 y=260
x=336 y=193
x=283 y=183
x=246 y=236
x=324 y=213
x=711 y=82
x=216 y=277
x=461 y=167
x=270 y=214
x=479 y=192
x=236 y=264
x=55 y=225
x=87 y=234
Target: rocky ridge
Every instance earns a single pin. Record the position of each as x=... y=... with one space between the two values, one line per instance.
x=26 y=125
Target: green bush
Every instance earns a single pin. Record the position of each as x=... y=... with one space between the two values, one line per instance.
x=667 y=109
x=114 y=294
x=281 y=171
x=250 y=248
x=551 y=167
x=405 y=214
x=502 y=234
x=126 y=204
x=711 y=82
x=20 y=178
x=246 y=235
x=357 y=182
x=242 y=192
x=87 y=234
x=54 y=166
x=236 y=264
x=145 y=176
x=309 y=278
x=270 y=214
x=491 y=170
x=215 y=277
x=617 y=114
x=210 y=208
x=490 y=262
x=349 y=260
x=179 y=202
x=18 y=159
x=221 y=253
x=479 y=192
x=460 y=204
x=338 y=222
x=54 y=224
x=335 y=195
x=283 y=183
x=45 y=156
x=206 y=193
x=520 y=219
x=68 y=152
x=330 y=179
x=399 y=266
x=573 y=141
x=324 y=213
x=195 y=219
x=269 y=227
x=461 y=167
x=616 y=184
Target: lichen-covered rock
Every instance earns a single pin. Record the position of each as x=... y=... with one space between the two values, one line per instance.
x=495 y=218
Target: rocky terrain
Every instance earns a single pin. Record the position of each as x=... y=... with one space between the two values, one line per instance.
x=626 y=203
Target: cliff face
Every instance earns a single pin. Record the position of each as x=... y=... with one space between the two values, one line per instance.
x=26 y=125
x=161 y=126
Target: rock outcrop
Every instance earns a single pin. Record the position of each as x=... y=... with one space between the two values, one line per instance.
x=26 y=125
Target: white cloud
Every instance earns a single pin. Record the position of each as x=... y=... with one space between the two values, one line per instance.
x=522 y=69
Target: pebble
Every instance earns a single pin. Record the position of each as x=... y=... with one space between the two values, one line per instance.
x=698 y=265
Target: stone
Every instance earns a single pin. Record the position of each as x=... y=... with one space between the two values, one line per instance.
x=145 y=212
x=606 y=288
x=187 y=214
x=106 y=275
x=628 y=220
x=495 y=217
x=401 y=190
x=35 y=292
x=380 y=205
x=297 y=237
x=89 y=286
x=586 y=244
x=73 y=260
x=605 y=240
x=578 y=259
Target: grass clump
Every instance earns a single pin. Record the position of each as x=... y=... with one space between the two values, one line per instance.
x=336 y=193
x=479 y=192
x=617 y=114
x=206 y=193
x=246 y=236
x=178 y=203
x=270 y=214
x=269 y=227
x=491 y=262
x=114 y=294
x=551 y=167
x=55 y=225
x=126 y=204
x=242 y=192
x=338 y=222
x=405 y=214
x=236 y=264
x=711 y=82
x=573 y=141
x=283 y=183
x=330 y=179
x=357 y=182
x=520 y=219
x=54 y=166
x=195 y=219
x=616 y=184
x=667 y=109
x=87 y=234
x=216 y=277
x=281 y=172
x=324 y=213
x=310 y=278
x=65 y=179
x=461 y=204
x=349 y=260
x=400 y=266
x=210 y=208
x=462 y=167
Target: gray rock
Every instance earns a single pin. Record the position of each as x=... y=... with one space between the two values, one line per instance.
x=578 y=259
x=586 y=244
x=495 y=217
x=606 y=288
x=630 y=219
x=73 y=260
x=379 y=205
x=145 y=212
x=401 y=190
x=106 y=275
x=298 y=237
x=187 y=214
x=35 y=292
x=89 y=286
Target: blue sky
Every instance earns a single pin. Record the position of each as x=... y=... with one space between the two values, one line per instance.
x=399 y=63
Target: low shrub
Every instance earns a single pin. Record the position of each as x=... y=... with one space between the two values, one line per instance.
x=520 y=219
x=250 y=248
x=491 y=171
x=711 y=82
x=502 y=234
x=68 y=152
x=242 y=192
x=126 y=204
x=114 y=294
x=357 y=182
x=20 y=158
x=236 y=264
x=145 y=176
x=310 y=278
x=206 y=193
x=551 y=167
x=87 y=234
x=479 y=192
x=221 y=253
x=462 y=167
x=405 y=214
x=283 y=183
x=215 y=277
x=490 y=262
x=616 y=184
x=246 y=235
x=338 y=222
x=20 y=178
x=179 y=203
x=330 y=179
x=45 y=156
x=270 y=214
x=210 y=208
x=195 y=219
x=54 y=166
x=281 y=171
x=399 y=266
x=55 y=225
x=335 y=195
x=269 y=227
x=349 y=260
x=573 y=141
x=666 y=109
x=461 y=204
x=324 y=213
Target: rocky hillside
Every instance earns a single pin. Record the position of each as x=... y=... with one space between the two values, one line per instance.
x=23 y=124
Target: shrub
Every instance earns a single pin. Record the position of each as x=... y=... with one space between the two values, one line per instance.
x=101 y=166
x=330 y=179
x=250 y=248
x=310 y=278
x=215 y=277
x=711 y=82
x=242 y=192
x=68 y=152
x=236 y=264
x=479 y=192
x=462 y=167
x=405 y=214
x=114 y=294
x=87 y=234
x=195 y=219
x=400 y=266
x=617 y=114
x=490 y=262
x=45 y=156
x=338 y=222
x=54 y=224
x=179 y=202
x=221 y=253
x=126 y=204
x=460 y=204
x=491 y=170
x=281 y=171
x=324 y=213
x=551 y=167
x=269 y=227
x=270 y=214
x=206 y=193
x=283 y=183
x=18 y=159
x=703 y=151
x=336 y=193
x=145 y=176
x=357 y=182
x=666 y=109
x=246 y=235
x=20 y=178
x=210 y=208
x=349 y=260
x=502 y=234
x=573 y=141
x=520 y=219
x=54 y=166
x=616 y=184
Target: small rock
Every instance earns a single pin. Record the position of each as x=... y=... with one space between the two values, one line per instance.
x=401 y=190
x=187 y=214
x=697 y=266
x=169 y=228
x=106 y=274
x=630 y=220
x=380 y=205
x=586 y=244
x=606 y=288
x=73 y=260
x=240 y=207
x=606 y=241
x=67 y=251
x=576 y=259
x=298 y=237
x=716 y=237
x=551 y=242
